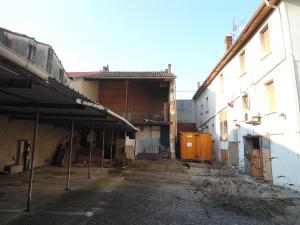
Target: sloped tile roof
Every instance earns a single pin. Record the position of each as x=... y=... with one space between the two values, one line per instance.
x=122 y=75
x=132 y=75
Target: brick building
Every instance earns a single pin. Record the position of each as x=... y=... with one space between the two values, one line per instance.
x=146 y=99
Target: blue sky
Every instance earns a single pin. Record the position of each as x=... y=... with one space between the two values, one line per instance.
x=132 y=35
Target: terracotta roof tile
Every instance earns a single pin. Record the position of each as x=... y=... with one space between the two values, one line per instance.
x=132 y=75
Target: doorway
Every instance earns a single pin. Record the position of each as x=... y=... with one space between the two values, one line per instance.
x=233 y=154
x=22 y=155
x=258 y=157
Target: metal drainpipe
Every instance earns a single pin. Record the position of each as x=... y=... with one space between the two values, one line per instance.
x=124 y=144
x=134 y=151
x=37 y=114
x=70 y=156
x=126 y=94
x=103 y=137
x=111 y=146
x=90 y=153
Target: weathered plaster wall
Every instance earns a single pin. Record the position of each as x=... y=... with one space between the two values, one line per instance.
x=185 y=111
x=48 y=139
x=147 y=136
x=87 y=88
x=38 y=55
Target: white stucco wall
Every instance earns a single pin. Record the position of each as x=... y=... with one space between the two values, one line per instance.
x=282 y=66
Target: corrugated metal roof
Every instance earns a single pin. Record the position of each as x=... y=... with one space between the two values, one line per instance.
x=58 y=103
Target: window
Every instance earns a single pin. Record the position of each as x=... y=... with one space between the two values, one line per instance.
x=265 y=40
x=206 y=105
x=221 y=83
x=49 y=60
x=245 y=101
x=61 y=75
x=223 y=125
x=31 y=53
x=242 y=62
x=270 y=97
x=201 y=109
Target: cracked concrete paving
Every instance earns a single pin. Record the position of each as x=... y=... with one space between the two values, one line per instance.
x=145 y=192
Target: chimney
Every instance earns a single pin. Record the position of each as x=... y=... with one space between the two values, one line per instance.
x=105 y=68
x=169 y=68
x=227 y=43
x=198 y=84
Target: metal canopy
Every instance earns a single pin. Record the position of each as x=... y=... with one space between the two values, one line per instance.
x=22 y=90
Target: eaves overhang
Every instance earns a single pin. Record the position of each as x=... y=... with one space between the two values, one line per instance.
x=24 y=87
x=251 y=28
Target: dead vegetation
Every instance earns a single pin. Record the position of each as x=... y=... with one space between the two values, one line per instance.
x=226 y=188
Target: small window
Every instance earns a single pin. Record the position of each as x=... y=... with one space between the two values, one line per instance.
x=31 y=53
x=265 y=40
x=245 y=101
x=243 y=62
x=61 y=75
x=223 y=126
x=221 y=83
x=49 y=60
x=206 y=105
x=270 y=97
x=201 y=109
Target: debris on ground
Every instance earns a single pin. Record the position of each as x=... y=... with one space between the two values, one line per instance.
x=187 y=165
x=224 y=187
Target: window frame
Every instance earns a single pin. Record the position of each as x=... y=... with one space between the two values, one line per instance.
x=221 y=83
x=242 y=61
x=223 y=125
x=270 y=97
x=265 y=41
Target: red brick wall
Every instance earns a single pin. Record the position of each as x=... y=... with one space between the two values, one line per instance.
x=191 y=127
x=144 y=97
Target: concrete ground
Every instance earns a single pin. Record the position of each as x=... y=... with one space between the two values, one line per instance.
x=147 y=192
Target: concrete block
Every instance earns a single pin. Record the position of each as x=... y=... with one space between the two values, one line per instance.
x=12 y=169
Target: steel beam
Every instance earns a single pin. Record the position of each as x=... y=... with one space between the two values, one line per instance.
x=111 y=147
x=103 y=144
x=90 y=153
x=32 y=159
x=70 y=156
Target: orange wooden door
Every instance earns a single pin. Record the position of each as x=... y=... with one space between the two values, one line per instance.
x=187 y=145
x=257 y=163
x=203 y=151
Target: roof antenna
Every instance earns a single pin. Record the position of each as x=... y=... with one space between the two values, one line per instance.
x=236 y=28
